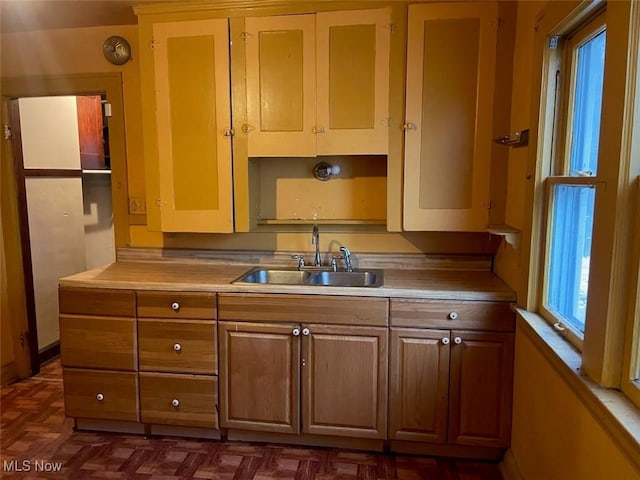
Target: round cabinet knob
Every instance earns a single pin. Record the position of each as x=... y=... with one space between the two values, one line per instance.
x=296 y=332
x=306 y=331
x=175 y=306
x=453 y=315
x=177 y=347
x=445 y=341
x=457 y=340
x=100 y=397
x=175 y=402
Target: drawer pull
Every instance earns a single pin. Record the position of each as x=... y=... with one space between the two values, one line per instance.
x=177 y=347
x=296 y=332
x=175 y=402
x=306 y=331
x=100 y=397
x=175 y=306
x=445 y=341
x=453 y=315
x=457 y=340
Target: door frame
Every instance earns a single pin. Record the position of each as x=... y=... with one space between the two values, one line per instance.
x=18 y=255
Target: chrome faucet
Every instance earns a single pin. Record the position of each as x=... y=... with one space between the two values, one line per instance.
x=315 y=240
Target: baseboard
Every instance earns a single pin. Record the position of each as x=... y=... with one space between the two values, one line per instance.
x=8 y=374
x=307 y=439
x=49 y=352
x=446 y=450
x=509 y=467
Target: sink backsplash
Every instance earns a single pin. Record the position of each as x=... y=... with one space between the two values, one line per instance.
x=413 y=261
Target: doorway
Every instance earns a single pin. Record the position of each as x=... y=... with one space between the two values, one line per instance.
x=64 y=184
x=59 y=182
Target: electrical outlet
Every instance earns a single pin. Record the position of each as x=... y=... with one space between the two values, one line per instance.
x=137 y=206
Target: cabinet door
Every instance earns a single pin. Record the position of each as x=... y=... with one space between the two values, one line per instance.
x=344 y=376
x=449 y=114
x=353 y=82
x=193 y=169
x=481 y=388
x=259 y=377
x=419 y=377
x=281 y=85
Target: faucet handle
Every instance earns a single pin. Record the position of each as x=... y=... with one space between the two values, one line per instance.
x=300 y=259
x=334 y=262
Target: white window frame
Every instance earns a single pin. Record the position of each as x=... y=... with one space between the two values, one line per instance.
x=563 y=59
x=612 y=304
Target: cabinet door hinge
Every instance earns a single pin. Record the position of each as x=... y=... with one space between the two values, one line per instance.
x=137 y=206
x=6 y=131
x=153 y=43
x=23 y=339
x=245 y=35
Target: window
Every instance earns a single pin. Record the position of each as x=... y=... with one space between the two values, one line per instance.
x=573 y=176
x=583 y=252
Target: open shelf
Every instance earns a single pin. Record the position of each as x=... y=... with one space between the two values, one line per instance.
x=503 y=230
x=319 y=221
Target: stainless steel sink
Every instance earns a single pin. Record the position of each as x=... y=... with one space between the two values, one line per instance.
x=357 y=278
x=277 y=277
x=312 y=277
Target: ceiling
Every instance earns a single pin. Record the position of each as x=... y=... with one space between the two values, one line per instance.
x=24 y=15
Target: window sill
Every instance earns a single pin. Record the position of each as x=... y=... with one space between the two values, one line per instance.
x=613 y=410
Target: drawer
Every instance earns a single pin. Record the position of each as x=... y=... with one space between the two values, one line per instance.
x=177 y=305
x=172 y=399
x=97 y=301
x=98 y=342
x=324 y=309
x=188 y=346
x=470 y=315
x=100 y=394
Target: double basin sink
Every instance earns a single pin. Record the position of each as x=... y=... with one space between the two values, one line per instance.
x=329 y=278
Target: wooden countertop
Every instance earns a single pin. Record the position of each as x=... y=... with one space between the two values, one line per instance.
x=399 y=283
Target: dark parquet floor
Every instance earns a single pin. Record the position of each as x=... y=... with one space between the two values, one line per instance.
x=36 y=438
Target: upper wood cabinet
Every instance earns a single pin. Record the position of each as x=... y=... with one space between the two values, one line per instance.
x=186 y=122
x=449 y=115
x=318 y=84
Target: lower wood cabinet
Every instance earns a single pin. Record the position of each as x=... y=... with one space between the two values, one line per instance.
x=344 y=381
x=480 y=389
x=292 y=378
x=419 y=390
x=459 y=375
x=177 y=346
x=172 y=399
x=103 y=395
x=177 y=351
x=260 y=376
x=426 y=373
x=97 y=349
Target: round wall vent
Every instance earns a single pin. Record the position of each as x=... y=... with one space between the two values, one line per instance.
x=117 y=50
